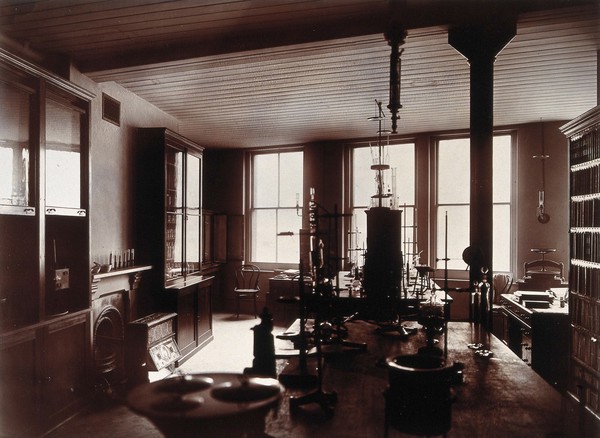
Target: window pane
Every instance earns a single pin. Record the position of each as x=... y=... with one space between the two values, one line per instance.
x=194 y=177
x=264 y=230
x=502 y=169
x=288 y=247
x=62 y=178
x=501 y=242
x=454 y=173
x=457 y=235
x=290 y=172
x=409 y=234
x=356 y=241
x=266 y=181
x=363 y=178
x=453 y=188
x=278 y=188
x=14 y=146
x=7 y=176
x=401 y=158
x=402 y=164
x=63 y=160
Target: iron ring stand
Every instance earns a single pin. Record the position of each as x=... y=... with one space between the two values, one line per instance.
x=326 y=400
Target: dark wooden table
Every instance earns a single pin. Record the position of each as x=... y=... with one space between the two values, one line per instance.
x=500 y=397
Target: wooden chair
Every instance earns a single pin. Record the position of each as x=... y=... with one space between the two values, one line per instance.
x=501 y=284
x=246 y=285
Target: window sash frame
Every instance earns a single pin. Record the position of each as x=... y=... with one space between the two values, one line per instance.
x=352 y=208
x=251 y=208
x=511 y=203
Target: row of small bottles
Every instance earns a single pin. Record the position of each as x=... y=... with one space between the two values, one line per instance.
x=117 y=259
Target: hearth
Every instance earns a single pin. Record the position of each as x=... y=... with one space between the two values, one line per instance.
x=109 y=319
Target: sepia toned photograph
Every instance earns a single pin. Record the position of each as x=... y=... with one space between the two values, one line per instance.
x=299 y=218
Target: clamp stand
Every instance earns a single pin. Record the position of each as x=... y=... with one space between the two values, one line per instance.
x=423 y=272
x=396 y=326
x=326 y=400
x=337 y=340
x=299 y=375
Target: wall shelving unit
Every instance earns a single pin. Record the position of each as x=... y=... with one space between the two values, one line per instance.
x=584 y=275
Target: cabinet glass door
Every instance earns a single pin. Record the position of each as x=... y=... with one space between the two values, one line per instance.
x=14 y=150
x=192 y=243
x=194 y=218
x=174 y=232
x=63 y=158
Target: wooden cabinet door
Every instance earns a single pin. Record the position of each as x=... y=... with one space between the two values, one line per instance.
x=204 y=313
x=19 y=409
x=186 y=320
x=66 y=368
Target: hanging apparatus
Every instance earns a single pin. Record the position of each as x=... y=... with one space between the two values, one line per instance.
x=542 y=216
x=380 y=161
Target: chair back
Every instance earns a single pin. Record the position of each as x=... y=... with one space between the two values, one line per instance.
x=502 y=283
x=246 y=277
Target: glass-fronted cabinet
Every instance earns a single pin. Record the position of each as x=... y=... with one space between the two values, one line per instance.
x=169 y=233
x=174 y=214
x=16 y=188
x=182 y=213
x=45 y=310
x=169 y=205
x=193 y=198
x=19 y=223
x=63 y=135
x=44 y=165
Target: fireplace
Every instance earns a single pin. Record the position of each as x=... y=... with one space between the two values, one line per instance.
x=114 y=305
x=109 y=337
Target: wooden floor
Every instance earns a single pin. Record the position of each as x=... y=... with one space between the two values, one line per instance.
x=230 y=351
x=359 y=381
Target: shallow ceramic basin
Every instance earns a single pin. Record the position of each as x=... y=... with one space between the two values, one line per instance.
x=178 y=403
x=184 y=384
x=247 y=390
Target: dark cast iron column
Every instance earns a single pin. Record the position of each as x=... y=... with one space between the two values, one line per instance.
x=480 y=45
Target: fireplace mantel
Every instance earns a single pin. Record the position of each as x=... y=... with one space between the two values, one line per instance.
x=107 y=282
x=121 y=281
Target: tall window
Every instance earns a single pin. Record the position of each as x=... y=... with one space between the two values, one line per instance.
x=275 y=221
x=399 y=182
x=502 y=188
x=453 y=197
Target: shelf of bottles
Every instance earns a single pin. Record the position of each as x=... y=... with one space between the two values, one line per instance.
x=174 y=214
x=584 y=273
x=183 y=214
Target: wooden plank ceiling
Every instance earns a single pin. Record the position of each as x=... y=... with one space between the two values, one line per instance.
x=255 y=73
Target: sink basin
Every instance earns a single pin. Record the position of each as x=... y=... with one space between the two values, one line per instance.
x=178 y=403
x=247 y=390
x=184 y=384
x=215 y=404
x=416 y=369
